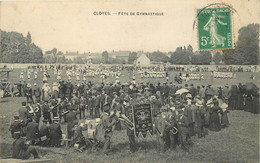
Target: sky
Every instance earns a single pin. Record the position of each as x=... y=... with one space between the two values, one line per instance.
x=72 y=26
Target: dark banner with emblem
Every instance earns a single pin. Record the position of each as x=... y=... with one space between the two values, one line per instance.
x=142 y=117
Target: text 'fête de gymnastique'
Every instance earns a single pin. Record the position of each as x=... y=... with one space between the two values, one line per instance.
x=121 y=13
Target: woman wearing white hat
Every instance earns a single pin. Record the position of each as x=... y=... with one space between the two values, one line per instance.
x=200 y=119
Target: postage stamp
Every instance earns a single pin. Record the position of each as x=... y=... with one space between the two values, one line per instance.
x=214 y=28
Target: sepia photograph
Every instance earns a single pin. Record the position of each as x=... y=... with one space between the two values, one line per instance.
x=129 y=81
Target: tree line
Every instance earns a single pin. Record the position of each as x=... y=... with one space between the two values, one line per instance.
x=15 y=48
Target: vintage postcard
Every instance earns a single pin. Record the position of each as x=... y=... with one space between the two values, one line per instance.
x=129 y=81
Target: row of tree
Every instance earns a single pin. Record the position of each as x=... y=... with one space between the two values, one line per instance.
x=15 y=48
x=246 y=50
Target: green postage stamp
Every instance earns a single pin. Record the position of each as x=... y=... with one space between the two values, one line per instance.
x=214 y=28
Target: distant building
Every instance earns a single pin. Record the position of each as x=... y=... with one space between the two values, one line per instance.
x=71 y=55
x=123 y=58
x=121 y=55
x=118 y=54
x=142 y=61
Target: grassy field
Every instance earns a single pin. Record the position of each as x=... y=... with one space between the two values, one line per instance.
x=238 y=143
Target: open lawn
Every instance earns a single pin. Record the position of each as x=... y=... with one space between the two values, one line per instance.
x=238 y=143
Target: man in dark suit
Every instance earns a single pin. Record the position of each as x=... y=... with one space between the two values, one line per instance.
x=192 y=90
x=104 y=99
x=69 y=88
x=37 y=93
x=82 y=106
x=97 y=105
x=29 y=92
x=46 y=111
x=108 y=122
x=32 y=131
x=44 y=133
x=55 y=132
x=19 y=87
x=23 y=113
x=21 y=150
x=16 y=126
x=130 y=132
x=37 y=113
x=71 y=117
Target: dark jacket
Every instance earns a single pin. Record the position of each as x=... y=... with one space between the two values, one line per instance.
x=55 y=131
x=44 y=130
x=37 y=92
x=23 y=113
x=32 y=131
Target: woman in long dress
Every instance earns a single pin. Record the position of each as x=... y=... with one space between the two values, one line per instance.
x=224 y=117
x=214 y=122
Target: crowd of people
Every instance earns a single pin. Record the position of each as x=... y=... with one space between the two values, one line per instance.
x=178 y=112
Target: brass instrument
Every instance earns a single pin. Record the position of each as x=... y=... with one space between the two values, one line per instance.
x=174 y=130
x=127 y=121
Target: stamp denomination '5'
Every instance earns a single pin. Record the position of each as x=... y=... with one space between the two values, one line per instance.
x=214 y=28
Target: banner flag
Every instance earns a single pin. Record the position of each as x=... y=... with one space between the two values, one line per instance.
x=142 y=120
